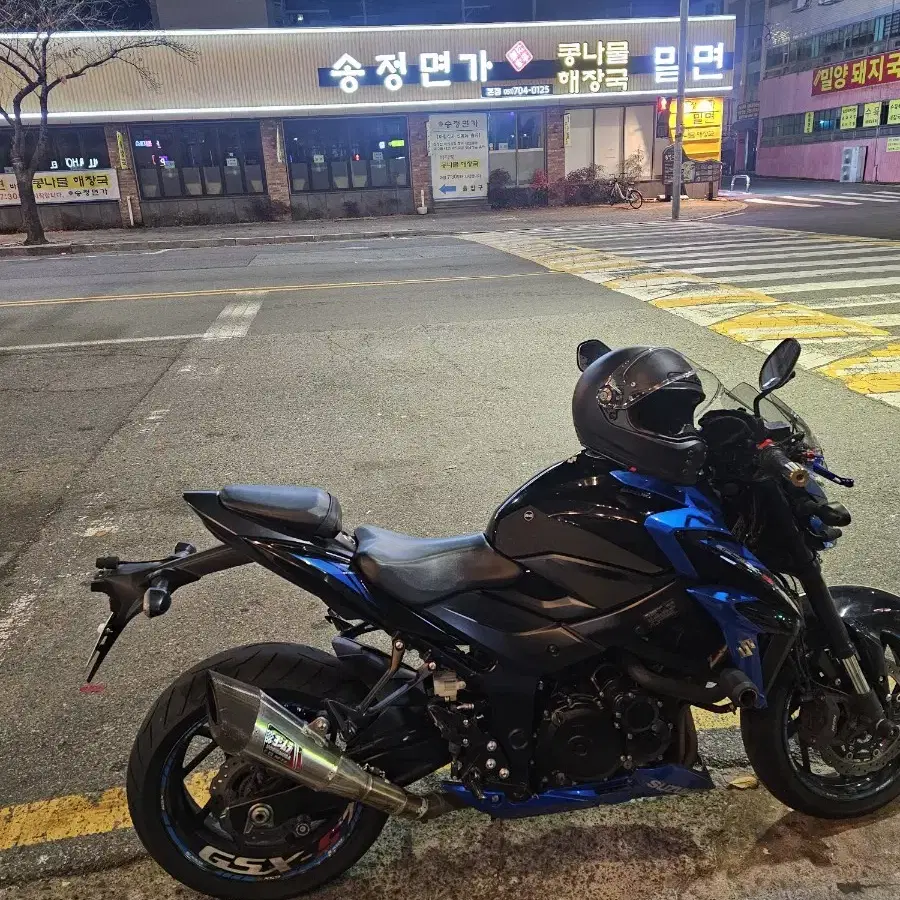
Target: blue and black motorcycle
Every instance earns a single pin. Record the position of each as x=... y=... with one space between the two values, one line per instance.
x=551 y=662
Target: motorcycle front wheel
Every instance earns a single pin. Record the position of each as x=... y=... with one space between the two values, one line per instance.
x=310 y=837
x=834 y=783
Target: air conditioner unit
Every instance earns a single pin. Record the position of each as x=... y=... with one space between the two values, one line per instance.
x=799 y=5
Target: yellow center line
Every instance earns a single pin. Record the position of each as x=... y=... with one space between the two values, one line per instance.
x=275 y=289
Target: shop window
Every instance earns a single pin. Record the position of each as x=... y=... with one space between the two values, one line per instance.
x=347 y=154
x=68 y=149
x=516 y=146
x=198 y=160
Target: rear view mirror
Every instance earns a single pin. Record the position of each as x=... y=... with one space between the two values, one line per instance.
x=778 y=369
x=588 y=351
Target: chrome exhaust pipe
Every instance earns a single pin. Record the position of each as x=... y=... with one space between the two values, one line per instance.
x=244 y=721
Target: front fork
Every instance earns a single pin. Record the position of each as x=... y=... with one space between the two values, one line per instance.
x=866 y=701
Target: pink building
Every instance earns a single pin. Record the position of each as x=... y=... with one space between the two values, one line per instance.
x=830 y=82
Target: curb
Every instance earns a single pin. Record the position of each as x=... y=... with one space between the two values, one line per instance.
x=82 y=247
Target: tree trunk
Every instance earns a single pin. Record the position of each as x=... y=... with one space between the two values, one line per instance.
x=31 y=220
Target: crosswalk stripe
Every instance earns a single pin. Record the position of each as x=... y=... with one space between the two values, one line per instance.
x=869 y=198
x=885 y=320
x=811 y=273
x=832 y=285
x=824 y=198
x=859 y=301
x=727 y=246
x=779 y=203
x=755 y=254
x=753 y=261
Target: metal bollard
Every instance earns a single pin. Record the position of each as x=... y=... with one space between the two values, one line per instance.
x=746 y=179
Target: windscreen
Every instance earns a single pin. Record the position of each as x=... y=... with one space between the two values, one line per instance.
x=773 y=409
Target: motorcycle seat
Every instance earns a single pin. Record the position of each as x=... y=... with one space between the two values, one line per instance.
x=307 y=509
x=419 y=571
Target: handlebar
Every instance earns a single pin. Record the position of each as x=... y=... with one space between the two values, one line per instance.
x=774 y=462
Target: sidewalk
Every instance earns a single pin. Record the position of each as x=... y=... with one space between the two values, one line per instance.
x=198 y=236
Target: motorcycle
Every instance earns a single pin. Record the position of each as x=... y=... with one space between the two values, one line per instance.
x=558 y=655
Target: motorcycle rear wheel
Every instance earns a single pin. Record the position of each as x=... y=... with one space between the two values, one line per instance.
x=188 y=842
x=799 y=777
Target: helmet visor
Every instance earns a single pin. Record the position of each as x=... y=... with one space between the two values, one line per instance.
x=629 y=383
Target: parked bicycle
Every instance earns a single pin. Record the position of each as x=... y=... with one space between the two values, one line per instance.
x=632 y=196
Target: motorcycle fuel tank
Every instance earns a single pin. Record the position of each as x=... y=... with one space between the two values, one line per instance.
x=582 y=529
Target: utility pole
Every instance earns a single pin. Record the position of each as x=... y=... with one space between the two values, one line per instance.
x=534 y=10
x=679 y=110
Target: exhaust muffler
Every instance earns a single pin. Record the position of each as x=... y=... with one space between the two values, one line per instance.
x=246 y=722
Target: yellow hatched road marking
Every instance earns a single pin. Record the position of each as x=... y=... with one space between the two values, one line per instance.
x=836 y=345
x=81 y=815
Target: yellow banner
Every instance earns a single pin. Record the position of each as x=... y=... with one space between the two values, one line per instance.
x=893 y=145
x=808 y=120
x=703 y=118
x=849 y=115
x=68 y=187
x=893 y=117
x=872 y=115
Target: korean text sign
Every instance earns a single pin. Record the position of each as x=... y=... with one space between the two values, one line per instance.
x=458 y=146
x=883 y=68
x=67 y=187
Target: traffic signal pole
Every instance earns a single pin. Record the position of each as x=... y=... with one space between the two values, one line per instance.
x=679 y=110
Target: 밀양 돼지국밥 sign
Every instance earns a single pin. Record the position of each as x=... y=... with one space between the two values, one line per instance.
x=68 y=187
x=458 y=146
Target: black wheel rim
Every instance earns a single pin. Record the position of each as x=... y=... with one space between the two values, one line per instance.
x=818 y=775
x=203 y=841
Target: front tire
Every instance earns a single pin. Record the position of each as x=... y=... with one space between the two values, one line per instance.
x=796 y=776
x=635 y=199
x=189 y=845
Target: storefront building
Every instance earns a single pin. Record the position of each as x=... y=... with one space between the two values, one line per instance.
x=829 y=102
x=281 y=123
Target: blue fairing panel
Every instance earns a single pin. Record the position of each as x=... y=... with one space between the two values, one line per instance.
x=696 y=512
x=661 y=781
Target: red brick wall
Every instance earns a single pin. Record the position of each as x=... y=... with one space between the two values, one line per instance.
x=556 y=152
x=419 y=161
x=277 y=183
x=128 y=186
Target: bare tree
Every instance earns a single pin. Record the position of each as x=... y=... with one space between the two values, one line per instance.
x=36 y=59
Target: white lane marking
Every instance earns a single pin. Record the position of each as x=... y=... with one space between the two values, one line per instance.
x=755 y=264
x=829 y=285
x=153 y=420
x=824 y=198
x=99 y=529
x=867 y=197
x=234 y=321
x=884 y=319
x=17 y=614
x=811 y=273
x=780 y=202
x=894 y=194
x=108 y=342
x=859 y=300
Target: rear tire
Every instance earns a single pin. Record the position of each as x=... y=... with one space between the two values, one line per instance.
x=635 y=199
x=294 y=675
x=765 y=740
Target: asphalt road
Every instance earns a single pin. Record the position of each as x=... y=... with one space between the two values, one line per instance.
x=830 y=207
x=421 y=381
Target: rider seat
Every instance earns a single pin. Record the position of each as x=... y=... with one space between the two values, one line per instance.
x=419 y=571
x=310 y=510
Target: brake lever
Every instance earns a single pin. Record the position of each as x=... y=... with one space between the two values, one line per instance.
x=819 y=469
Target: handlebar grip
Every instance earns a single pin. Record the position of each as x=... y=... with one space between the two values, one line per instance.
x=773 y=461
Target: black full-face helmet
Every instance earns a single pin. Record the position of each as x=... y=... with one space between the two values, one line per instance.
x=636 y=406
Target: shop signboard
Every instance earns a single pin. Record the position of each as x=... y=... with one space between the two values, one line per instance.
x=868 y=71
x=849 y=115
x=893 y=145
x=68 y=187
x=808 y=121
x=703 y=119
x=693 y=171
x=458 y=145
x=893 y=116
x=749 y=110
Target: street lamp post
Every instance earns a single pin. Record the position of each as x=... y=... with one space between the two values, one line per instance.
x=679 y=110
